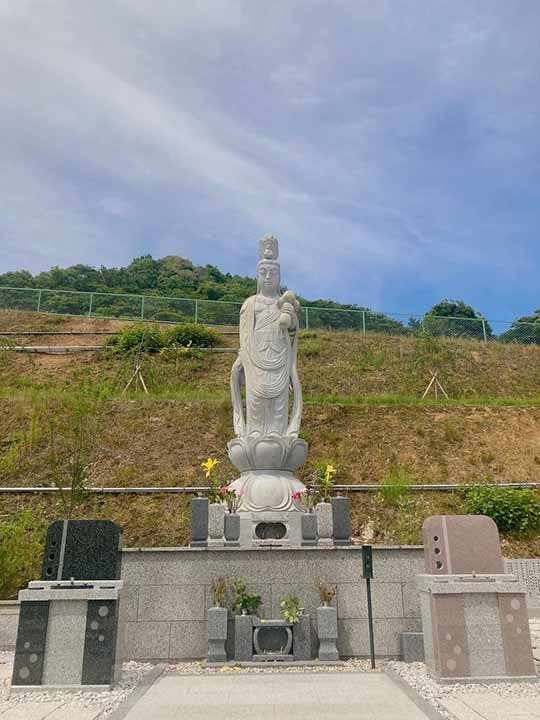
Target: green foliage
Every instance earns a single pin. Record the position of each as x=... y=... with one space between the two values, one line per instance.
x=396 y=486
x=454 y=318
x=138 y=338
x=323 y=481
x=291 y=609
x=22 y=539
x=369 y=360
x=191 y=335
x=310 y=347
x=245 y=602
x=409 y=520
x=219 y=590
x=513 y=510
x=525 y=330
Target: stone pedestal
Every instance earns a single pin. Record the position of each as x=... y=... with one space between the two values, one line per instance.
x=475 y=628
x=243 y=638
x=263 y=529
x=327 y=630
x=232 y=530
x=69 y=635
x=217 y=634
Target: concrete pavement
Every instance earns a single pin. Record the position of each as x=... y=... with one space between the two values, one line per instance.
x=287 y=696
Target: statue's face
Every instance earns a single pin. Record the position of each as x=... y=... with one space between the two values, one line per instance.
x=268 y=277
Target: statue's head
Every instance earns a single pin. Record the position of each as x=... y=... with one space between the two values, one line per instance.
x=268 y=278
x=268 y=273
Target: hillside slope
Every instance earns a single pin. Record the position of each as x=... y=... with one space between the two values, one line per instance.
x=362 y=411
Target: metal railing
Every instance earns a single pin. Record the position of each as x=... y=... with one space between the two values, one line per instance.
x=127 y=306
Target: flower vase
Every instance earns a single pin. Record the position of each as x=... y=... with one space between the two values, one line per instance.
x=216 y=524
x=325 y=527
x=232 y=529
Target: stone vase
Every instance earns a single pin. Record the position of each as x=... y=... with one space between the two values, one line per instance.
x=216 y=524
x=217 y=634
x=309 y=529
x=341 y=520
x=199 y=522
x=232 y=529
x=327 y=630
x=325 y=526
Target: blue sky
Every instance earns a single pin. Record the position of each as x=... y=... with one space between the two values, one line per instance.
x=392 y=146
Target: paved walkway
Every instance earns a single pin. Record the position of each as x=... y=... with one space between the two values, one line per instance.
x=320 y=696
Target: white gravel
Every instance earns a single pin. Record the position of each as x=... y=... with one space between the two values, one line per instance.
x=416 y=675
x=132 y=674
x=202 y=668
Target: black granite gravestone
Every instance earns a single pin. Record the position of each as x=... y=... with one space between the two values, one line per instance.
x=82 y=549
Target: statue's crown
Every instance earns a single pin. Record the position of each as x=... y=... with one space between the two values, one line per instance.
x=268 y=249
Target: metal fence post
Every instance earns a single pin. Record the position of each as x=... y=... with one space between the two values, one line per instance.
x=196 y=311
x=307 y=318
x=363 y=322
x=39 y=300
x=142 y=308
x=90 y=304
x=484 y=330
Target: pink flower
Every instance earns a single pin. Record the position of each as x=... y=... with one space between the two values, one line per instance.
x=297 y=495
x=224 y=490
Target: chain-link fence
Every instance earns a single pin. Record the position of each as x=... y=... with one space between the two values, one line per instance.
x=215 y=312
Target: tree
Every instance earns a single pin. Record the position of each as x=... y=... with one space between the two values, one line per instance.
x=454 y=318
x=525 y=330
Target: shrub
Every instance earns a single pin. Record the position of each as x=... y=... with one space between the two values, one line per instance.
x=191 y=335
x=395 y=487
x=512 y=509
x=22 y=539
x=145 y=338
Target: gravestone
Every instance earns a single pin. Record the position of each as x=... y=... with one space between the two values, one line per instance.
x=68 y=633
x=474 y=617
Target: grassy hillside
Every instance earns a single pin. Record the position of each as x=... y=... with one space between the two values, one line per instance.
x=362 y=410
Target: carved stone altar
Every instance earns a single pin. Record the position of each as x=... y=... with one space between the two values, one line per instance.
x=267 y=450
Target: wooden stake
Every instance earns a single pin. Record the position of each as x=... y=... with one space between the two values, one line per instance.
x=436 y=385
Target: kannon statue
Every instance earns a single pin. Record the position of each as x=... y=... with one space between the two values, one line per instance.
x=266 y=362
x=267 y=449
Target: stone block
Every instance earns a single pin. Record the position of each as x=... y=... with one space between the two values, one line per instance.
x=129 y=603
x=82 y=549
x=302 y=638
x=149 y=640
x=217 y=634
x=65 y=643
x=99 y=657
x=309 y=529
x=199 y=522
x=243 y=638
x=188 y=640
x=216 y=524
x=171 y=602
x=327 y=630
x=353 y=639
x=341 y=520
x=386 y=600
x=9 y=619
x=411 y=599
x=412 y=647
x=31 y=643
x=232 y=530
x=461 y=544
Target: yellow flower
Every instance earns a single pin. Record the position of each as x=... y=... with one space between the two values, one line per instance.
x=329 y=472
x=209 y=465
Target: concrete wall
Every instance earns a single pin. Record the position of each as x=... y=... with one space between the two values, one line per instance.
x=168 y=591
x=9 y=618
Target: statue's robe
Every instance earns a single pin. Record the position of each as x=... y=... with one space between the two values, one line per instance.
x=267 y=358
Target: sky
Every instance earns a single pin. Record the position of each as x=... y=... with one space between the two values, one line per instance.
x=393 y=147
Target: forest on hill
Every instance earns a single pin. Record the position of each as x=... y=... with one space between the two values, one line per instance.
x=172 y=281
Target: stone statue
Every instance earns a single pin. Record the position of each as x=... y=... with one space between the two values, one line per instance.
x=267 y=449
